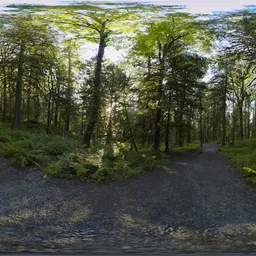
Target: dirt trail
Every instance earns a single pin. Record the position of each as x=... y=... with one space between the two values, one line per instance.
x=196 y=202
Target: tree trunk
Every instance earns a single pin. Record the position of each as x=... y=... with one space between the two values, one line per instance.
x=69 y=91
x=18 y=97
x=57 y=95
x=181 y=124
x=241 y=121
x=96 y=96
x=109 y=151
x=157 y=127
x=10 y=106
x=158 y=113
x=28 y=106
x=133 y=142
x=248 y=120
x=5 y=93
x=143 y=128
x=189 y=130
x=37 y=108
x=224 y=130
x=255 y=119
x=167 y=134
x=49 y=104
x=201 y=121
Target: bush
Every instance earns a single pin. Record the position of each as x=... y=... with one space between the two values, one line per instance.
x=186 y=148
x=24 y=157
x=65 y=156
x=243 y=156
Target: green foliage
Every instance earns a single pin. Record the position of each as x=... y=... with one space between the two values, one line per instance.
x=66 y=157
x=186 y=148
x=34 y=149
x=94 y=167
x=243 y=155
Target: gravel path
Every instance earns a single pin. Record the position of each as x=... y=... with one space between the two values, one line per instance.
x=196 y=202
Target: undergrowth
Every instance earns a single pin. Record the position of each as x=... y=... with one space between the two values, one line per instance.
x=186 y=148
x=66 y=156
x=243 y=156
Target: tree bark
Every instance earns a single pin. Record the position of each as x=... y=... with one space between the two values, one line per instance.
x=18 y=97
x=28 y=104
x=57 y=96
x=49 y=105
x=255 y=119
x=233 y=126
x=181 y=124
x=201 y=120
x=157 y=124
x=248 y=119
x=241 y=121
x=69 y=91
x=224 y=130
x=133 y=142
x=97 y=94
x=167 y=134
x=5 y=93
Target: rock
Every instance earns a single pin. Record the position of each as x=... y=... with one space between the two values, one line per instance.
x=126 y=247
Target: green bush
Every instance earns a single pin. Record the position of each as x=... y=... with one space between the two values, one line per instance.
x=66 y=157
x=5 y=137
x=243 y=155
x=23 y=156
x=72 y=165
x=186 y=148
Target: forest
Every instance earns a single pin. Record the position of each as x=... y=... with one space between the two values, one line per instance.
x=181 y=80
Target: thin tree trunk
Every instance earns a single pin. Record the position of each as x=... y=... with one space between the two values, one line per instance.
x=37 y=108
x=18 y=98
x=181 y=125
x=52 y=99
x=133 y=142
x=57 y=95
x=28 y=106
x=248 y=120
x=143 y=128
x=69 y=91
x=158 y=114
x=97 y=94
x=157 y=126
x=255 y=119
x=49 y=105
x=10 y=106
x=241 y=120
x=201 y=121
x=189 y=130
x=224 y=130
x=5 y=93
x=167 y=134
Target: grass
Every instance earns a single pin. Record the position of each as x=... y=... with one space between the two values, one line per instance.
x=186 y=148
x=243 y=156
x=192 y=147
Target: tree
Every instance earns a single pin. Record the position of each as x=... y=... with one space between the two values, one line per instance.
x=28 y=37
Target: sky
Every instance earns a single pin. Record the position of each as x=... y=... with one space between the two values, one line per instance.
x=194 y=6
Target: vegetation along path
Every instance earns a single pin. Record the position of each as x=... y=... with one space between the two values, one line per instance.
x=197 y=201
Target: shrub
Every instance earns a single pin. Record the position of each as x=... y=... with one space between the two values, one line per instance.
x=243 y=155
x=72 y=165
x=65 y=156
